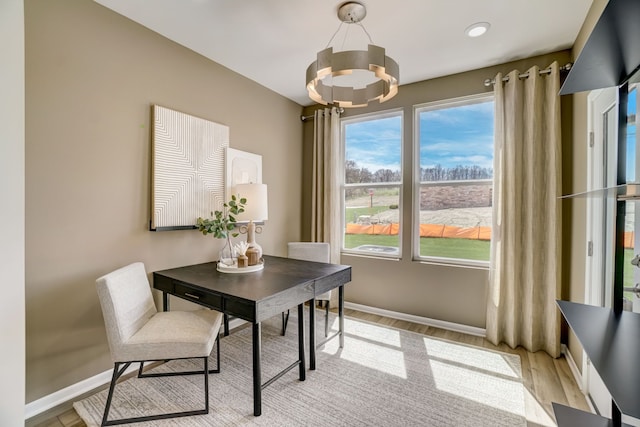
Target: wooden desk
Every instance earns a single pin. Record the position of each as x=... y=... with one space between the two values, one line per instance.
x=254 y=297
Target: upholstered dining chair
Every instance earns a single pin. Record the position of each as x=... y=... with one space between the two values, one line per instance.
x=310 y=251
x=138 y=333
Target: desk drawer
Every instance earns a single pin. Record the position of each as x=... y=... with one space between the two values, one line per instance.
x=197 y=296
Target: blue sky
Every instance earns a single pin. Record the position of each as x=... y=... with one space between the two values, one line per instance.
x=631 y=138
x=375 y=144
x=450 y=137
x=457 y=136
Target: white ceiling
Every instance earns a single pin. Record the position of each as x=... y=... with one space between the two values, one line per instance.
x=273 y=41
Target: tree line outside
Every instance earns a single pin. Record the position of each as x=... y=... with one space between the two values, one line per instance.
x=355 y=174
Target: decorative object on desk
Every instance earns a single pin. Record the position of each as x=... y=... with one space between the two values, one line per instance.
x=256 y=209
x=236 y=269
x=241 y=253
x=187 y=168
x=221 y=226
x=431 y=382
x=253 y=256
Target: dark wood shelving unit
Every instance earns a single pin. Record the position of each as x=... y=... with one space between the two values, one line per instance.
x=611 y=54
x=612 y=341
x=571 y=417
x=609 y=337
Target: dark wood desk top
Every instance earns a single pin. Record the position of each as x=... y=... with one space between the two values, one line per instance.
x=283 y=283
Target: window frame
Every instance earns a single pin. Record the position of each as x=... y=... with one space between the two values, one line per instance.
x=417 y=183
x=395 y=112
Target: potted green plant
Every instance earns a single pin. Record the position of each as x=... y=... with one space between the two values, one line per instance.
x=222 y=224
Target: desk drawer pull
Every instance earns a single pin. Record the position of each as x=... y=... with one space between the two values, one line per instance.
x=192 y=295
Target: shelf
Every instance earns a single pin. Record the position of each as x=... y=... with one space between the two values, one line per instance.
x=630 y=191
x=570 y=417
x=612 y=344
x=611 y=53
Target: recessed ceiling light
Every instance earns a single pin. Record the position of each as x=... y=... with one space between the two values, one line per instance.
x=477 y=29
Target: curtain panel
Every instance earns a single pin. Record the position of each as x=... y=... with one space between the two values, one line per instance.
x=526 y=245
x=325 y=192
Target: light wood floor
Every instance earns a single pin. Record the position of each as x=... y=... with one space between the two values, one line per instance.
x=545 y=379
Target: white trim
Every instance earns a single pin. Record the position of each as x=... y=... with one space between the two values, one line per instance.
x=69 y=393
x=577 y=376
x=456 y=327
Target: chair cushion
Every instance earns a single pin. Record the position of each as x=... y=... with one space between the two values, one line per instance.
x=172 y=335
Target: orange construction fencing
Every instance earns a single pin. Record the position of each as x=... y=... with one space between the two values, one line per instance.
x=441 y=230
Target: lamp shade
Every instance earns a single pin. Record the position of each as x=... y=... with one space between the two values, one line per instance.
x=256 y=208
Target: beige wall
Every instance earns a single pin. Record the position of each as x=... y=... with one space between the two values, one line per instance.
x=453 y=294
x=12 y=309
x=91 y=76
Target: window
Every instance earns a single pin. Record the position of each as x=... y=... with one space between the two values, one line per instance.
x=372 y=184
x=455 y=174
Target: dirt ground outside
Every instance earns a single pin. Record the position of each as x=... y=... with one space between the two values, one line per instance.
x=460 y=217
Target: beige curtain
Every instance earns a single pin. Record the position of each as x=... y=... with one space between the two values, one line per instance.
x=526 y=245
x=325 y=196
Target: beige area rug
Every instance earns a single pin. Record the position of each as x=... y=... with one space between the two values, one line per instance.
x=382 y=377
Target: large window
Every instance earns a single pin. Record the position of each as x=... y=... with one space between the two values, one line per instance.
x=372 y=184
x=454 y=172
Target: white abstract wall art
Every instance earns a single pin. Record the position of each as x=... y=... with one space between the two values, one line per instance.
x=187 y=168
x=242 y=168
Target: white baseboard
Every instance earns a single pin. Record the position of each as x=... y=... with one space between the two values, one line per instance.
x=456 y=327
x=67 y=394
x=577 y=376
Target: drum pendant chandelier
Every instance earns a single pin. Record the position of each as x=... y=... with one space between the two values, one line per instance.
x=330 y=68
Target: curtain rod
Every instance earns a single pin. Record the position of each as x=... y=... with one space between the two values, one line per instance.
x=565 y=67
x=305 y=118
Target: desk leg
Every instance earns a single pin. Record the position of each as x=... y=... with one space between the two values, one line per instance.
x=312 y=334
x=303 y=369
x=257 y=375
x=165 y=301
x=225 y=318
x=341 y=313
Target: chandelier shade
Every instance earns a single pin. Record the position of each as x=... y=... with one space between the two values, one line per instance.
x=327 y=72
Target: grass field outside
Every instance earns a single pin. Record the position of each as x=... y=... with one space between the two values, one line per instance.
x=429 y=246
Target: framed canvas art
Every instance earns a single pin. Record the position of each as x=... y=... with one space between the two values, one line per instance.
x=187 y=168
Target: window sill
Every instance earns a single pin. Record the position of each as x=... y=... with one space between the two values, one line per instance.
x=459 y=263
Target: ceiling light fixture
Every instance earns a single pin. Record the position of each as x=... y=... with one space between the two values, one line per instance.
x=370 y=73
x=477 y=29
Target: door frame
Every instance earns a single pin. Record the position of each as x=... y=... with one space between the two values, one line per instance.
x=599 y=102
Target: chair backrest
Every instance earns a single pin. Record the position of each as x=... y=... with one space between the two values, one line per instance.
x=309 y=251
x=126 y=301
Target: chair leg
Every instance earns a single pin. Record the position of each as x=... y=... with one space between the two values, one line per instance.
x=217 y=370
x=206 y=379
x=326 y=319
x=285 y=320
x=117 y=373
